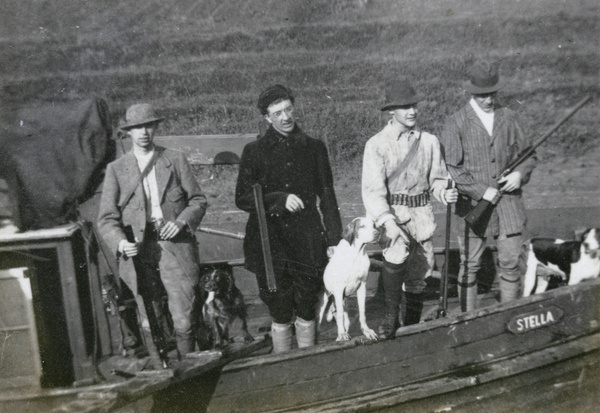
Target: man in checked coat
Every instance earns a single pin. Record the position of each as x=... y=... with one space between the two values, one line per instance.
x=294 y=172
x=480 y=140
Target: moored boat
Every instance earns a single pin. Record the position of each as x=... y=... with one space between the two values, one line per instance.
x=425 y=360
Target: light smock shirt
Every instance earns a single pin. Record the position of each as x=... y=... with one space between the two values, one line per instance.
x=486 y=118
x=153 y=210
x=426 y=172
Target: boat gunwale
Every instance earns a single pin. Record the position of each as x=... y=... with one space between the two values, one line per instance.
x=548 y=296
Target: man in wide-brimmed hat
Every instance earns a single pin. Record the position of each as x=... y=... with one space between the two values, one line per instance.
x=402 y=166
x=480 y=140
x=150 y=208
x=302 y=217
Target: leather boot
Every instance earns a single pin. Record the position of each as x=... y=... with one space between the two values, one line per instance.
x=282 y=337
x=392 y=285
x=305 y=332
x=414 y=308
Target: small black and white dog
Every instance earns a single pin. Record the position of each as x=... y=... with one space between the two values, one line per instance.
x=222 y=302
x=573 y=261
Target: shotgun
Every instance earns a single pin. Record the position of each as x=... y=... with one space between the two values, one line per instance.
x=264 y=237
x=155 y=329
x=483 y=208
x=443 y=303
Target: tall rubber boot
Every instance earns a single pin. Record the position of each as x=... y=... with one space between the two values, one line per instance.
x=467 y=296
x=305 y=332
x=414 y=308
x=392 y=286
x=282 y=337
x=509 y=290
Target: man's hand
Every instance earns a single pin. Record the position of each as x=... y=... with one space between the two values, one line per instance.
x=128 y=249
x=492 y=195
x=450 y=196
x=393 y=232
x=293 y=203
x=170 y=229
x=510 y=182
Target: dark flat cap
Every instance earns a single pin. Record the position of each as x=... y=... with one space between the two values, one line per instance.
x=400 y=93
x=273 y=94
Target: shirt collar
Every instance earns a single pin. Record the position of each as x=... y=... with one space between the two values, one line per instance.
x=479 y=111
x=395 y=130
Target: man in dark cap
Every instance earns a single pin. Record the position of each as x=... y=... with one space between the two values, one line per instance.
x=480 y=140
x=402 y=165
x=294 y=172
x=150 y=208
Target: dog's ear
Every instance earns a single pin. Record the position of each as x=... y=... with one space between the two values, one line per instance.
x=230 y=281
x=579 y=233
x=349 y=233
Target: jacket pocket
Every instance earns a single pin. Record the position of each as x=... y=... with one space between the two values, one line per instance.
x=175 y=194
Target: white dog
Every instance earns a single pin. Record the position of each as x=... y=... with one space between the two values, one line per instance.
x=346 y=274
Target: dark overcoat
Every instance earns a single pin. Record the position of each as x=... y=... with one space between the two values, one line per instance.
x=296 y=164
x=476 y=160
x=180 y=198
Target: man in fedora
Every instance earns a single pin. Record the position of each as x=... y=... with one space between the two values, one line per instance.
x=302 y=214
x=480 y=140
x=402 y=166
x=150 y=208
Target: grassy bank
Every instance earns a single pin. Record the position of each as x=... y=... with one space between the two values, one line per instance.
x=203 y=63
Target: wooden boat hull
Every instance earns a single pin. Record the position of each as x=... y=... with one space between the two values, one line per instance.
x=425 y=360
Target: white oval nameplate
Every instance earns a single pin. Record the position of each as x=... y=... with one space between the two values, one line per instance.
x=534 y=320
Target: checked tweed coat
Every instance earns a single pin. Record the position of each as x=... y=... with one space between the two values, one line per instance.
x=180 y=198
x=476 y=160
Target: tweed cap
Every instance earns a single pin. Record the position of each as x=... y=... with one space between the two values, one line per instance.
x=273 y=94
x=484 y=78
x=140 y=114
x=400 y=93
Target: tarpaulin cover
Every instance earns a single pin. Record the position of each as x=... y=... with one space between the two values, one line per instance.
x=53 y=158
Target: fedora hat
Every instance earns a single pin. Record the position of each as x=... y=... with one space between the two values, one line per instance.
x=400 y=93
x=139 y=114
x=484 y=78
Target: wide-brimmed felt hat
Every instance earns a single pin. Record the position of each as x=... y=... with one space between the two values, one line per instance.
x=400 y=93
x=273 y=94
x=484 y=78
x=140 y=114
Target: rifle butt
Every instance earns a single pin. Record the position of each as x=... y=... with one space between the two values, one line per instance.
x=473 y=217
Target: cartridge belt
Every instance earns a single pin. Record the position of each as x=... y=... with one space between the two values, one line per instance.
x=410 y=201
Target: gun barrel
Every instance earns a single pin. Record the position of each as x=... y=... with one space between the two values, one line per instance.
x=529 y=151
x=235 y=235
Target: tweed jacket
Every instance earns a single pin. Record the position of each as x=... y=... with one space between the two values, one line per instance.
x=180 y=199
x=427 y=172
x=476 y=160
x=296 y=164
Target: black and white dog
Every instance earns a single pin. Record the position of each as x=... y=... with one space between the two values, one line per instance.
x=573 y=261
